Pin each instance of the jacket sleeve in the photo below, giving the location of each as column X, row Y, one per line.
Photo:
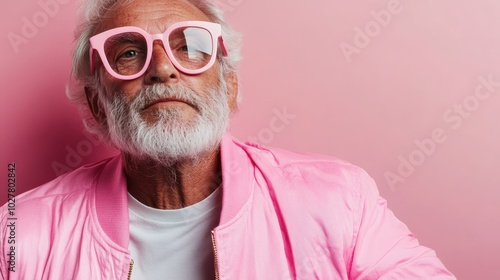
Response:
column 383, row 247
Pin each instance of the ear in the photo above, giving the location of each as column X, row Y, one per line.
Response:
column 232, row 90
column 94, row 105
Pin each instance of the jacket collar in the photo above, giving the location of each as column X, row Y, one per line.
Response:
column 237, row 179
column 111, row 202
column 111, row 190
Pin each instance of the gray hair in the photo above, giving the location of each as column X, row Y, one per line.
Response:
column 92, row 12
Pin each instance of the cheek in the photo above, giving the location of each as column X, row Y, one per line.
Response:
column 200, row 83
column 114, row 87
column 129, row 89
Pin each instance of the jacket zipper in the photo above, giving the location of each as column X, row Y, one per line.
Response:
column 130, row 269
column 216, row 264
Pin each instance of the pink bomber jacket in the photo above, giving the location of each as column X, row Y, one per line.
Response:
column 284, row 216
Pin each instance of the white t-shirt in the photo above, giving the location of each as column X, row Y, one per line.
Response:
column 174, row 244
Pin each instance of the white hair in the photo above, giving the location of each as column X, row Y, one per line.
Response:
column 91, row 13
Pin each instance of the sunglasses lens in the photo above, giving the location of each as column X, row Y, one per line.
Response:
column 191, row 47
column 126, row 52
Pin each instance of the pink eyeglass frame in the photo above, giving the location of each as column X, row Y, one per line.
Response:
column 97, row 44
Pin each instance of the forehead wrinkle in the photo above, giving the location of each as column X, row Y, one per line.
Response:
column 160, row 15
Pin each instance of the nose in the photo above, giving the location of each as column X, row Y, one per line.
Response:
column 161, row 69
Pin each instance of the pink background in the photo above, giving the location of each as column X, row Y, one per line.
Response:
column 376, row 107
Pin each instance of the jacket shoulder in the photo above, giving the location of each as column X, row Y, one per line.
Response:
column 315, row 182
column 312, row 168
column 80, row 179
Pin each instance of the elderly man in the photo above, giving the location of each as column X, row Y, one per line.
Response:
column 184, row 200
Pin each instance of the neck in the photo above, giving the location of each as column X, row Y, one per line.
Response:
column 176, row 186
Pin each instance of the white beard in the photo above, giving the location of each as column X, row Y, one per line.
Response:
column 171, row 138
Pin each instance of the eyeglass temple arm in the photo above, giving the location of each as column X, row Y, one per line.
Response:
column 223, row 48
column 91, row 56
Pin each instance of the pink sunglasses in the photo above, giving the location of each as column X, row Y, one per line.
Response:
column 126, row 51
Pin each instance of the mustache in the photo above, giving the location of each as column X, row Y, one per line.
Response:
column 150, row 95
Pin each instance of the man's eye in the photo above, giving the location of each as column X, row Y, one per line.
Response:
column 129, row 54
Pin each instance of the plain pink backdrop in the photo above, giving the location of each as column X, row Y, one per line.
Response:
column 366, row 81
